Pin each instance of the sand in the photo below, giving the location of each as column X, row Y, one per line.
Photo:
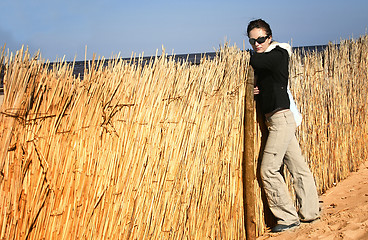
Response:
column 344, row 212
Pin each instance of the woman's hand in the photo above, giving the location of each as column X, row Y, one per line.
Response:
column 256, row 91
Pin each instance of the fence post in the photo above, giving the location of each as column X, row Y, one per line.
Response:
column 248, row 158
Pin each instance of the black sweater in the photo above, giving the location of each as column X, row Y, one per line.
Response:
column 271, row 70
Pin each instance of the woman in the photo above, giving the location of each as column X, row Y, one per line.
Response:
column 270, row 62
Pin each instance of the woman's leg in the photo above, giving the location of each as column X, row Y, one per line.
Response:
column 281, row 130
column 304, row 185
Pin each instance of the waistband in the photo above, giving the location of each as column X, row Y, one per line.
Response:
column 278, row 114
column 267, row 115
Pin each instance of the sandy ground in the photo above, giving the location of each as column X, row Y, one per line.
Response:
column 344, row 212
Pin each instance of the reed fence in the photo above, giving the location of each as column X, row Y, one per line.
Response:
column 156, row 150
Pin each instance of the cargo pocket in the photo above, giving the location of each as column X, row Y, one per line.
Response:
column 271, row 144
column 272, row 197
column 276, row 198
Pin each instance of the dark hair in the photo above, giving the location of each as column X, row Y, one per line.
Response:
column 259, row 23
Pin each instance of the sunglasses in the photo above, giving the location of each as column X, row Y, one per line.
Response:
column 259, row 40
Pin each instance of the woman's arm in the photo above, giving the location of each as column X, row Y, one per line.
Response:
column 269, row 60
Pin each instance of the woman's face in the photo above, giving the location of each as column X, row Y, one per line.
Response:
column 256, row 37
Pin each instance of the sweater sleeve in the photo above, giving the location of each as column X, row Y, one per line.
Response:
column 268, row 60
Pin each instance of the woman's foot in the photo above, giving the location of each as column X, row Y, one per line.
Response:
column 281, row 227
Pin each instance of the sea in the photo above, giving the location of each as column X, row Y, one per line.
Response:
column 193, row 58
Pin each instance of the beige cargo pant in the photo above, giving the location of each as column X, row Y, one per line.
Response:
column 282, row 147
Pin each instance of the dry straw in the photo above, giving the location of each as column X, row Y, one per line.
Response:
column 134, row 151
column 154, row 149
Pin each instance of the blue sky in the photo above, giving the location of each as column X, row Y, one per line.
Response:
column 65, row 27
